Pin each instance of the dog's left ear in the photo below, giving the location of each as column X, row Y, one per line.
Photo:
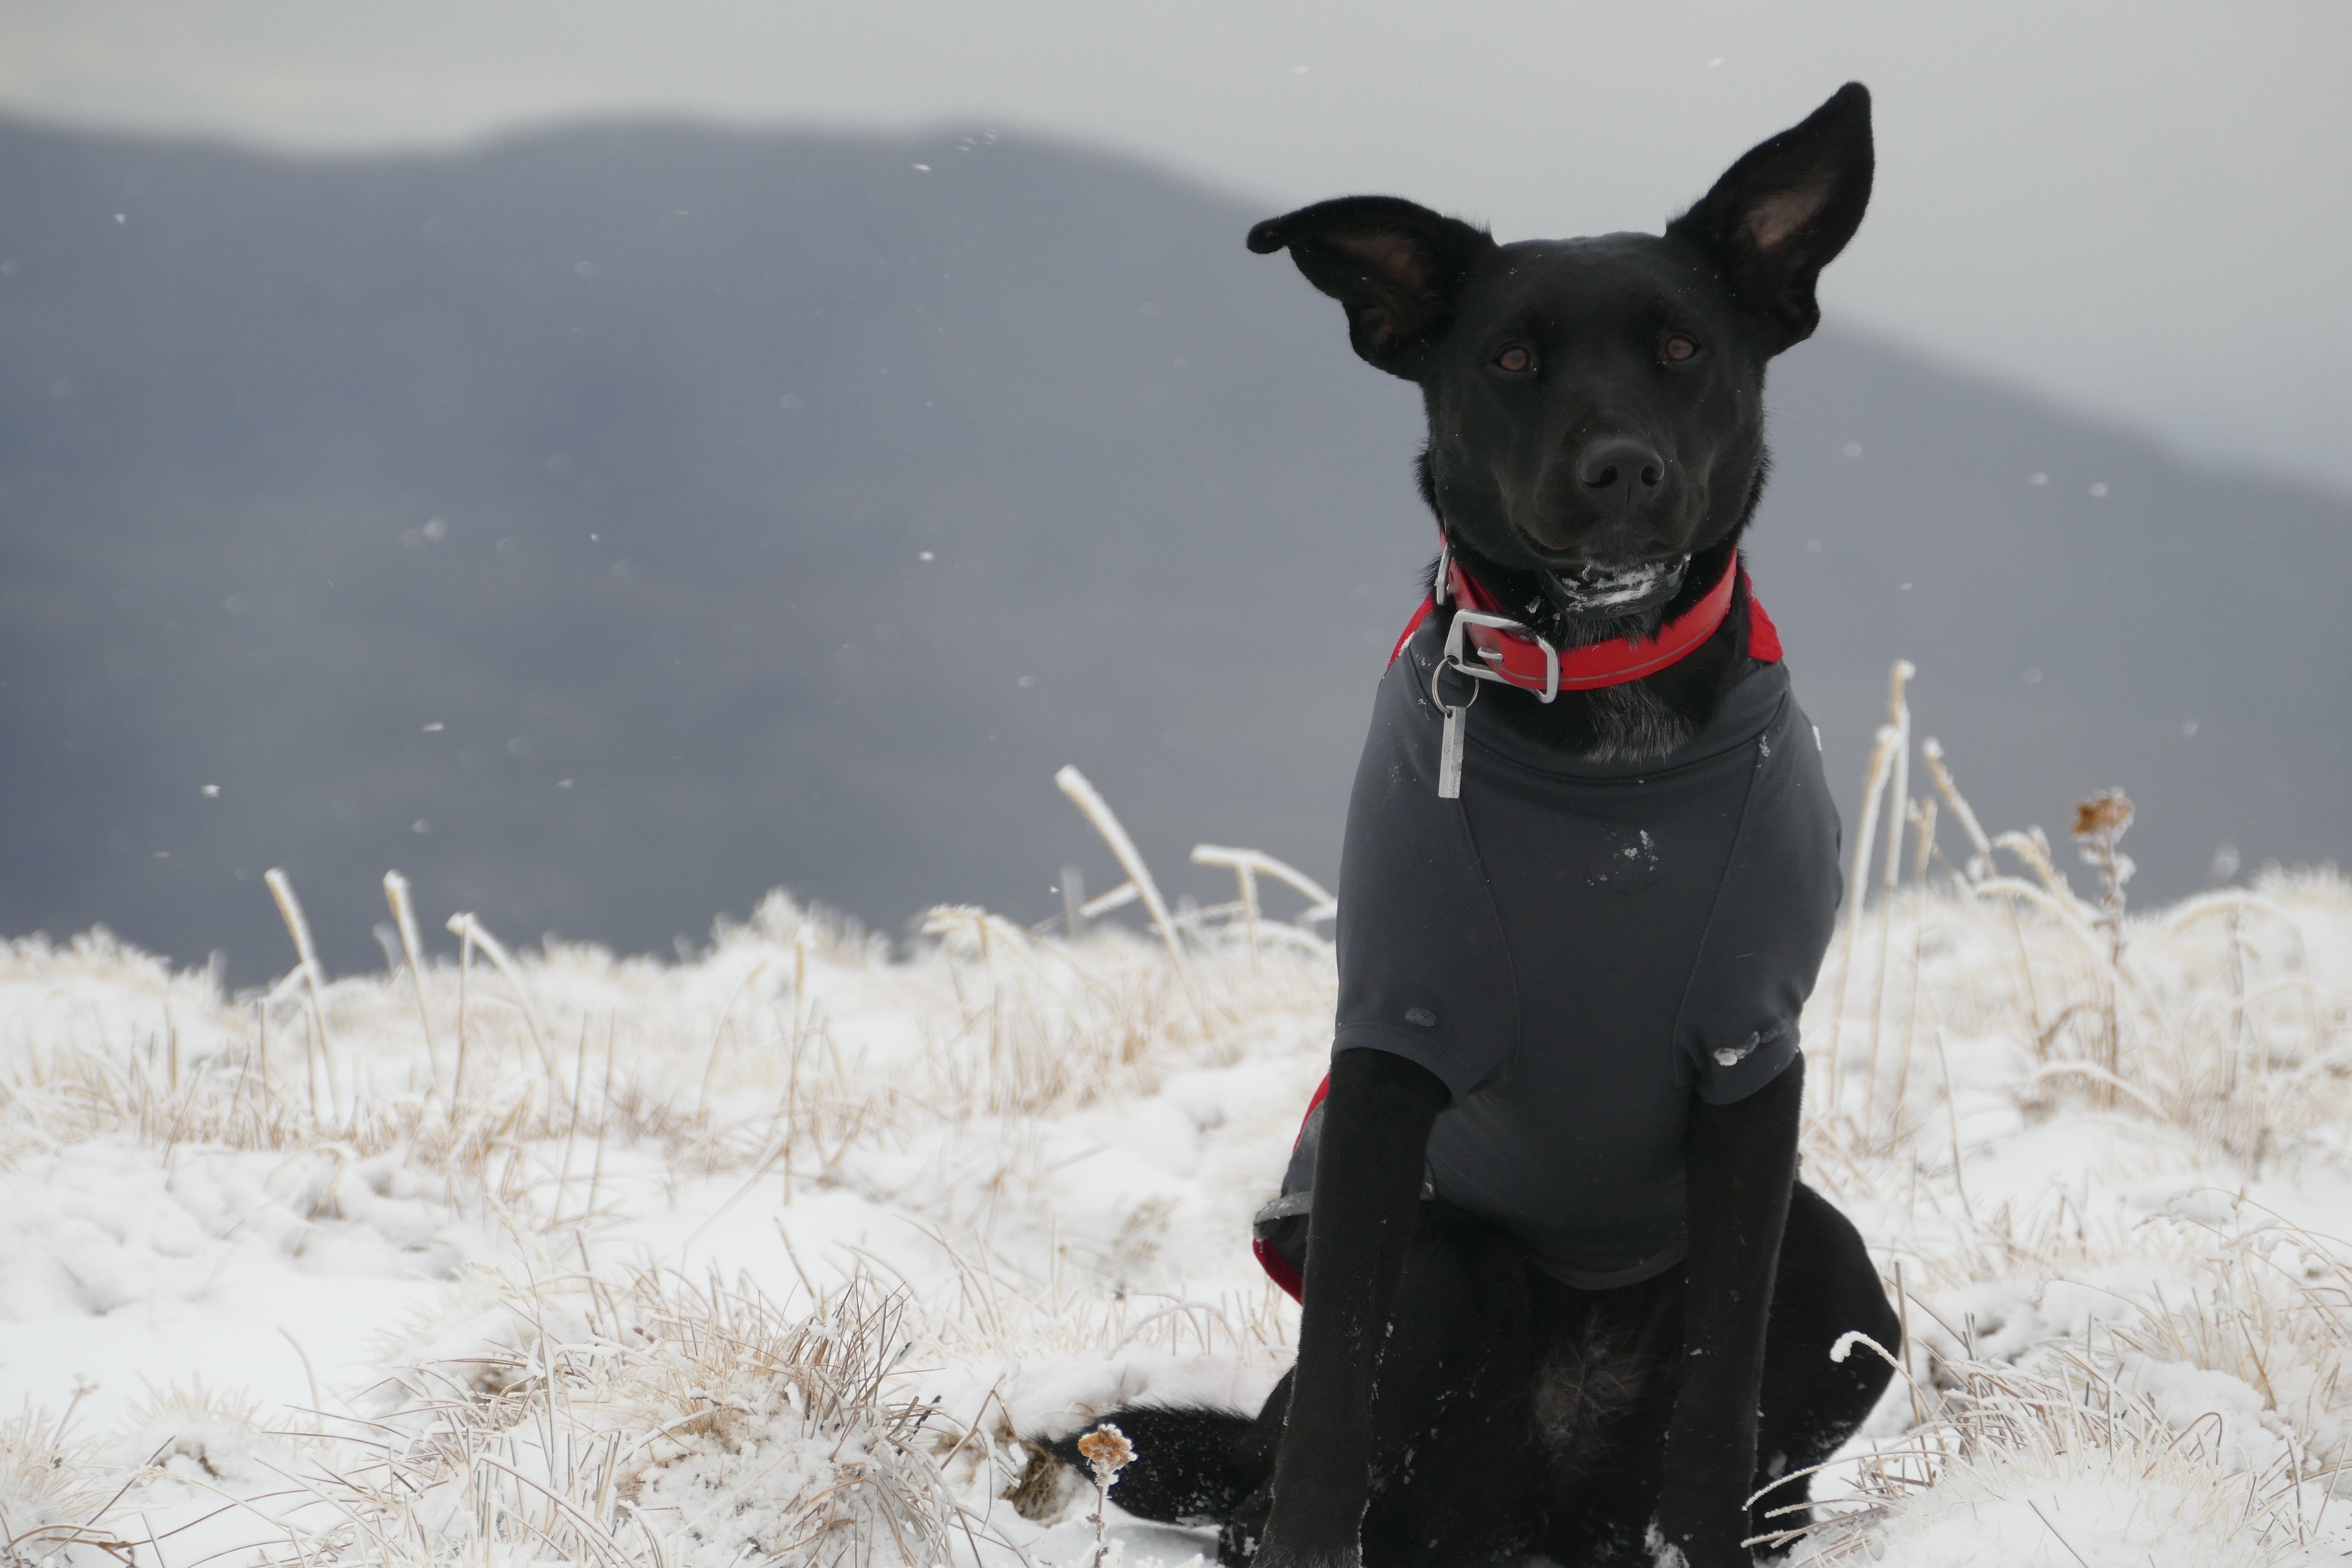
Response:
column 1783, row 212
column 1397, row 266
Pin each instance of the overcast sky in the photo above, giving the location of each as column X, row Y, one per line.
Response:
column 2140, row 209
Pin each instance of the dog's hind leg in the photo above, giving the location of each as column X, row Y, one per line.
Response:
column 1192, row 1465
column 1826, row 1288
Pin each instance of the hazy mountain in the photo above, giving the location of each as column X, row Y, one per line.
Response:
column 607, row 526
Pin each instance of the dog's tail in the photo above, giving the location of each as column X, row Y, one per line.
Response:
column 1192, row 1466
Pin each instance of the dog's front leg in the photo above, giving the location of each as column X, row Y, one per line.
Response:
column 1368, row 1175
column 1742, row 1164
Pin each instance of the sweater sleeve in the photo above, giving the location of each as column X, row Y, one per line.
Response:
column 1424, row 972
column 1771, row 922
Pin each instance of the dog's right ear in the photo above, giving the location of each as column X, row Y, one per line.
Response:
column 1397, row 266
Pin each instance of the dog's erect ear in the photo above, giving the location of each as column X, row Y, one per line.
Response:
column 1783, row 212
column 1397, row 266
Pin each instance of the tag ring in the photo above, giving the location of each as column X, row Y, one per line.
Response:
column 1445, row 662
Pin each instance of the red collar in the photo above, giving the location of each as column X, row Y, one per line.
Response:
column 1510, row 652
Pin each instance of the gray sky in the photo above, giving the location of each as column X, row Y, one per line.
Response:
column 2139, row 208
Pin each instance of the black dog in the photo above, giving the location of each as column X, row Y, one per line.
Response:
column 1564, row 1295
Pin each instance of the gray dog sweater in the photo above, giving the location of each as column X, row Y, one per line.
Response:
column 1576, row 949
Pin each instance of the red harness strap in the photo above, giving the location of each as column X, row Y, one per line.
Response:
column 1277, row 1267
column 1519, row 657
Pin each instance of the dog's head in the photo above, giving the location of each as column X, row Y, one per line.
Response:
column 1596, row 405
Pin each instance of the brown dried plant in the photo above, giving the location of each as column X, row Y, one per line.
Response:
column 1106, row 1452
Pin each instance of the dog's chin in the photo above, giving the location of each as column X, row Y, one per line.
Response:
column 1594, row 590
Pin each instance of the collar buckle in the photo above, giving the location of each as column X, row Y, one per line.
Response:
column 1483, row 666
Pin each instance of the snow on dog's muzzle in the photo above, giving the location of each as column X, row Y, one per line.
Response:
column 1620, row 588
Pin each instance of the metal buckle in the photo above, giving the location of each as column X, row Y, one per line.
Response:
column 1464, row 619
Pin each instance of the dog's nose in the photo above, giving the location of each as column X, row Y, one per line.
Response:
column 1622, row 468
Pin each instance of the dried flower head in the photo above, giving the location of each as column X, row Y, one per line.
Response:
column 1108, row 1450
column 2103, row 815
column 2100, row 822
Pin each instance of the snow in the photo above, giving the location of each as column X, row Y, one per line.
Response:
column 784, row 1250
column 1594, row 588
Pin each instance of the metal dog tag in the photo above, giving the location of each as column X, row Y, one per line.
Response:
column 1449, row 746
column 1449, row 754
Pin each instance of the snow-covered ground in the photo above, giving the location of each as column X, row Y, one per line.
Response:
column 779, row 1253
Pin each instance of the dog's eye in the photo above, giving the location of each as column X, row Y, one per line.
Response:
column 1514, row 359
column 1679, row 348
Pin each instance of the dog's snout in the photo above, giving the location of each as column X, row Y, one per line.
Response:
column 1612, row 499
column 1621, row 467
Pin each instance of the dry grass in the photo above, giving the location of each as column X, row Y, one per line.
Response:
column 566, row 1411
column 57, row 1504
column 653, row 1421
column 2221, row 1406
column 1990, row 1475
column 644, row 1418
column 735, row 1063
